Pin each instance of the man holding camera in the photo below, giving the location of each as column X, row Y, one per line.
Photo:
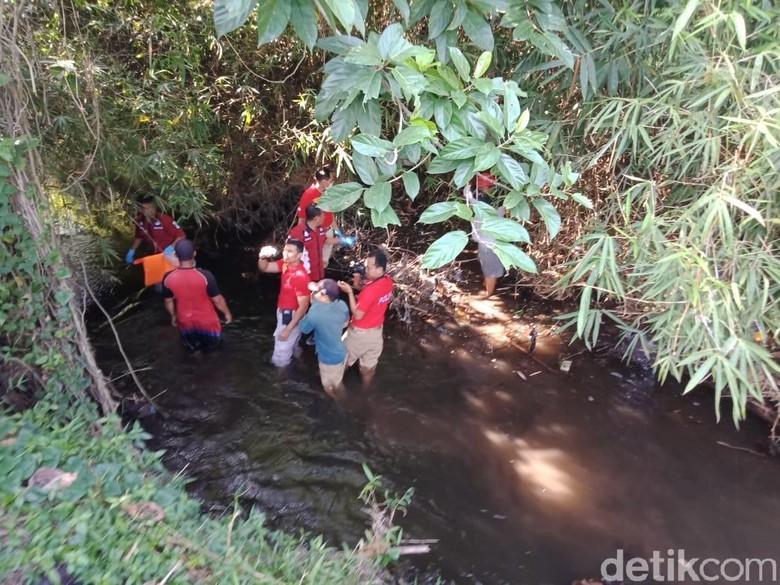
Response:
column 293, row 298
column 364, row 340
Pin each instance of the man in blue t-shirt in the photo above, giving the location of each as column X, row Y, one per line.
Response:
column 327, row 318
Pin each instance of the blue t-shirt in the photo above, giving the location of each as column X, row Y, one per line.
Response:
column 327, row 321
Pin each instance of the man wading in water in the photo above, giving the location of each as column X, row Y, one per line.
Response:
column 293, row 300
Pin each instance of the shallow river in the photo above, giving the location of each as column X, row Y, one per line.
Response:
column 534, row 481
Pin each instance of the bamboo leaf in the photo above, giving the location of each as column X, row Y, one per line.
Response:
column 685, row 16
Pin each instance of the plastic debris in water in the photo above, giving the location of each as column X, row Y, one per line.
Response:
column 565, row 365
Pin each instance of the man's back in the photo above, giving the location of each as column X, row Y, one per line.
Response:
column 327, row 321
column 193, row 289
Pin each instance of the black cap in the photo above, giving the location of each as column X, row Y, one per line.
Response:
column 185, row 249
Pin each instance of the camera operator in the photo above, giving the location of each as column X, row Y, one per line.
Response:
column 364, row 339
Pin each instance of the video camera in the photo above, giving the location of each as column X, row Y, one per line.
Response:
column 357, row 268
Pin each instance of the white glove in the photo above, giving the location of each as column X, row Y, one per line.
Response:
column 267, row 252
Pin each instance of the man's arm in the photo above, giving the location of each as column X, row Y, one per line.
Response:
column 170, row 306
column 265, row 265
column 356, row 314
column 303, row 306
column 221, row 304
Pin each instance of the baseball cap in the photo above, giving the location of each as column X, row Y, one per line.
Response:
column 185, row 249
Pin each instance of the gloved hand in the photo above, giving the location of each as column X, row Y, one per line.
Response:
column 337, row 233
column 347, row 241
column 130, row 256
column 169, row 251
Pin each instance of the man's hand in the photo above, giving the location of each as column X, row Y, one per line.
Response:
column 284, row 334
column 174, row 322
column 344, row 287
column 228, row 318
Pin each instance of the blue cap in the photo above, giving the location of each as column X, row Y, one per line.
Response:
column 185, row 249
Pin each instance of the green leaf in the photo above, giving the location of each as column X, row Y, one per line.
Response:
column 701, row 372
column 505, row 230
column 391, row 41
column 482, row 64
column 521, row 210
column 304, row 21
column 512, row 256
column 582, row 200
column 365, row 167
column 740, row 28
column 342, row 123
column 378, row 196
column 461, row 63
column 488, row 156
column 385, row 217
column 340, row 197
column 684, row 17
column 461, row 149
column 445, row 249
column 522, row 122
column 365, row 54
column 552, row 220
column 339, row 44
column 369, row 118
column 478, row 30
column 463, row 211
column 513, row 199
column 344, row 10
column 411, row 184
column 231, row 14
column 411, row 81
column 512, row 171
column 511, row 109
column 441, row 165
column 272, row 19
column 438, row 212
column 402, row 6
column 371, row 145
column 412, row 135
column 439, row 18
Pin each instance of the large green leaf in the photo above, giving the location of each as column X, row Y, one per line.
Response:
column 463, row 148
column 412, row 135
column 461, row 63
column 304, row 21
column 365, row 167
column 369, row 118
column 511, row 108
column 483, row 63
column 552, row 220
column 505, row 229
column 340, row 197
column 402, row 6
column 272, row 19
column 478, row 30
column 512, row 171
column 411, row 184
column 344, row 10
column 231, row 14
column 510, row 255
column 371, row 145
column 445, row 249
column 439, row 18
column 438, row 212
column 488, row 156
column 385, row 217
column 441, row 165
column 378, row 196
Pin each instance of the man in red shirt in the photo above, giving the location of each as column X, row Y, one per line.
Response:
column 323, row 179
column 314, row 238
column 191, row 294
column 293, row 300
column 157, row 229
column 364, row 337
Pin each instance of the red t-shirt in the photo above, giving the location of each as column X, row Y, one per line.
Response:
column 312, row 195
column 295, row 283
column 313, row 240
column 161, row 232
column 373, row 300
column 193, row 288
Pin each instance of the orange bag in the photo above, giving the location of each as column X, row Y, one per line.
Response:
column 155, row 267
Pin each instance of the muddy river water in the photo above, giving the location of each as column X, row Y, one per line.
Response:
column 520, row 481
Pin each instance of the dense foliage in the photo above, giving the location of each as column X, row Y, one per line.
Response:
column 677, row 102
